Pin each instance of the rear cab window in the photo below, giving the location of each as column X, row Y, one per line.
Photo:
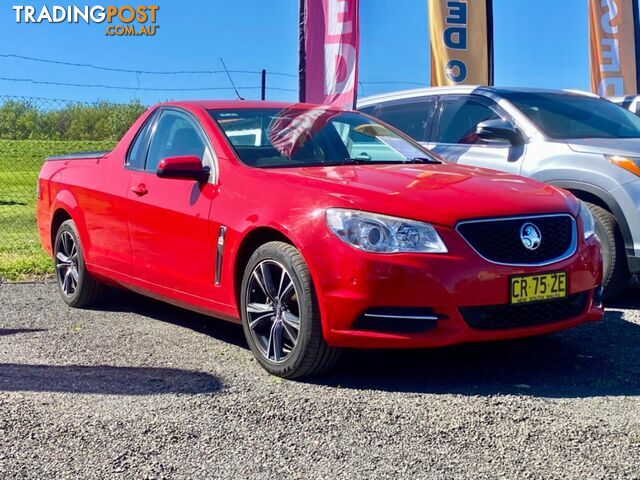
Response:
column 138, row 151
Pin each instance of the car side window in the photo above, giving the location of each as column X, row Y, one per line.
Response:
column 138, row 151
column 459, row 116
column 176, row 135
column 413, row 118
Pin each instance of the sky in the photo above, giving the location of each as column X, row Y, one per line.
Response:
column 538, row 43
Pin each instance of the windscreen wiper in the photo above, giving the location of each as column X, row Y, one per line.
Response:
column 357, row 161
column 428, row 160
column 368, row 161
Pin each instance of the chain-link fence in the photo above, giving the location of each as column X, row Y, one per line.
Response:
column 32, row 129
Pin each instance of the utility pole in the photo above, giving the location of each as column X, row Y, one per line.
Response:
column 263, row 89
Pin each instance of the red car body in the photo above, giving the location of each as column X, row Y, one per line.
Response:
column 159, row 236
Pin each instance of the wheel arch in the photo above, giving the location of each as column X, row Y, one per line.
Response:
column 60, row 216
column 65, row 203
column 250, row 242
column 596, row 195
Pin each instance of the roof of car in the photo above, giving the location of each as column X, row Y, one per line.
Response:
column 460, row 89
column 240, row 104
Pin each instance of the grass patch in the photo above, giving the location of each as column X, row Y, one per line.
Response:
column 22, row 266
column 21, row 256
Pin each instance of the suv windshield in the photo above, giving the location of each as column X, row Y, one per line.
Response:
column 299, row 137
column 566, row 116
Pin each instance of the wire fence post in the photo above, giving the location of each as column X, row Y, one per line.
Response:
column 263, row 85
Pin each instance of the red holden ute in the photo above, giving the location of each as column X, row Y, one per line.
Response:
column 317, row 229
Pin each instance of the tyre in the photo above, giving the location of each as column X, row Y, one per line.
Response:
column 616, row 274
column 280, row 315
column 76, row 285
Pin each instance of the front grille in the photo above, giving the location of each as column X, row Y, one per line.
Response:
column 497, row 317
column 499, row 240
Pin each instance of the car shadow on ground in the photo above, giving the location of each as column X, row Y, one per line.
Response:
column 125, row 301
column 596, row 359
column 591, row 360
column 4, row 332
column 104, row 379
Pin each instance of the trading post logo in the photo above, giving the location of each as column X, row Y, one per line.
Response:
column 125, row 21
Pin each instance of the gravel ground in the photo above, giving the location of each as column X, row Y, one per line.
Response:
column 139, row 389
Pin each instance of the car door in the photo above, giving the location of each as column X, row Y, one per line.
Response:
column 454, row 134
column 172, row 244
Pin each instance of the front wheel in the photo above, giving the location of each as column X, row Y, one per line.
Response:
column 76, row 285
column 615, row 269
column 280, row 314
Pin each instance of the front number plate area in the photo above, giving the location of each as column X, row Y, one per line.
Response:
column 534, row 288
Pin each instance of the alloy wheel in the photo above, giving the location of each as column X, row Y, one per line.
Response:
column 273, row 311
column 66, row 261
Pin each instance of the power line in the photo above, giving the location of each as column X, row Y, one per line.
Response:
column 146, row 89
column 138, row 71
column 179, row 89
column 179, row 72
column 393, row 82
column 280, row 89
column 117, row 87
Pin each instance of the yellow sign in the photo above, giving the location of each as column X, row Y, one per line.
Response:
column 614, row 60
column 461, row 37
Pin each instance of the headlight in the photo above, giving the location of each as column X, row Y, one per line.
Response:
column 588, row 223
column 382, row 234
column 630, row 164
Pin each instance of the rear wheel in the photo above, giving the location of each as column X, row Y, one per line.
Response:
column 76, row 285
column 616, row 274
column 280, row 315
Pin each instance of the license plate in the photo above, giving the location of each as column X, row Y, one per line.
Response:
column 533, row 288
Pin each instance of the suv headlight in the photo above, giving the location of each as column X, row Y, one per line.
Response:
column 588, row 223
column 383, row 234
column 630, row 164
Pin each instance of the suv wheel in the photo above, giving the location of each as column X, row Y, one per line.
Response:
column 616, row 274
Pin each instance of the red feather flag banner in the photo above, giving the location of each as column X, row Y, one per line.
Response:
column 615, row 59
column 329, row 42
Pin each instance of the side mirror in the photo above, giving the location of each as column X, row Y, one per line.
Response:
column 499, row 131
column 187, row 167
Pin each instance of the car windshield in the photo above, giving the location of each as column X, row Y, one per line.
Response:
column 299, row 136
column 567, row 116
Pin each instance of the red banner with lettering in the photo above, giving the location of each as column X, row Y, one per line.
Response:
column 329, row 41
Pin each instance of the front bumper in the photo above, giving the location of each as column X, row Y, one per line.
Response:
column 625, row 205
column 350, row 282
